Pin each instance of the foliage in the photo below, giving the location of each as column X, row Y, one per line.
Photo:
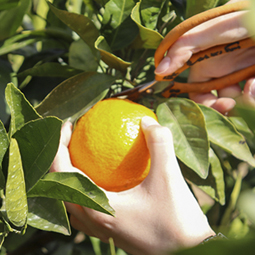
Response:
column 59, row 59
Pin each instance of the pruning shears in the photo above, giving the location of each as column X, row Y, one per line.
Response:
column 174, row 88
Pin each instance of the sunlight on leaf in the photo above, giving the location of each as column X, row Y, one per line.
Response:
column 74, row 188
column 148, row 38
column 21, row 110
column 11, row 19
column 186, row 122
column 16, row 200
column 110, row 59
column 117, row 11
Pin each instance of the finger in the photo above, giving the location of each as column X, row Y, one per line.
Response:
column 231, row 91
column 164, row 167
column 222, row 65
column 66, row 133
column 248, row 96
column 79, row 219
column 224, row 29
column 62, row 160
column 222, row 105
column 78, row 225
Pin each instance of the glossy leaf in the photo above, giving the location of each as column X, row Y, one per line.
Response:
column 148, row 38
column 214, row 184
column 81, row 24
column 16, row 199
column 110, row 59
column 150, row 10
column 116, row 11
column 50, row 70
column 186, row 122
column 74, row 188
column 4, row 143
column 48, row 214
column 38, row 142
column 222, row 133
column 74, row 94
column 21, row 110
column 11, row 19
column 197, row 6
column 81, row 57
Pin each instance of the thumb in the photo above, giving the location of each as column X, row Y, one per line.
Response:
column 163, row 160
column 248, row 96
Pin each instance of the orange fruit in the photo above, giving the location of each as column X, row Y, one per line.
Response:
column 108, row 144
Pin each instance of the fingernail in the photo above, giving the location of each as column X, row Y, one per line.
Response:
column 252, row 89
column 163, row 65
column 148, row 121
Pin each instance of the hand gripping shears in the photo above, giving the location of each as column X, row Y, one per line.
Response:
column 174, row 88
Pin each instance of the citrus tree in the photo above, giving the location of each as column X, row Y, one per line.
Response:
column 59, row 58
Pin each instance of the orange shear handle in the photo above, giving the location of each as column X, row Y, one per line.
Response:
column 203, row 87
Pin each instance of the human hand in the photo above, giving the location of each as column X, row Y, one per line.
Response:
column 224, row 29
column 157, row 215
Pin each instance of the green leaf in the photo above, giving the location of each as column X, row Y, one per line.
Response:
column 247, row 113
column 81, row 57
column 222, row 133
column 186, row 122
column 11, row 19
column 150, row 10
column 246, row 204
column 5, row 77
column 122, row 36
column 21, row 110
column 4, row 143
column 214, row 184
column 226, row 218
column 148, row 38
column 110, row 59
column 76, row 93
column 7, row 48
column 242, row 126
column 38, row 142
column 7, row 4
column 48, row 214
column 197, row 6
column 50, row 69
column 16, row 200
column 74, row 188
column 81, row 24
column 116, row 11
column 222, row 247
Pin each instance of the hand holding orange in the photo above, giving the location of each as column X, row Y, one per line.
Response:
column 108, row 145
